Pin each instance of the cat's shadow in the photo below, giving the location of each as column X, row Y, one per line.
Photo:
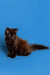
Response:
column 3, row 47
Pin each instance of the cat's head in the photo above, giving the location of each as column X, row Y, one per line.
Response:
column 10, row 33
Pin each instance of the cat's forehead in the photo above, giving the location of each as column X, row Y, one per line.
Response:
column 11, row 29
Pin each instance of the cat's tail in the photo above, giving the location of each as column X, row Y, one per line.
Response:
column 38, row 47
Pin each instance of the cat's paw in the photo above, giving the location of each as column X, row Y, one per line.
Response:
column 8, row 55
column 12, row 56
column 27, row 53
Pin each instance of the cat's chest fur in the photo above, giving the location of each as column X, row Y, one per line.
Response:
column 11, row 44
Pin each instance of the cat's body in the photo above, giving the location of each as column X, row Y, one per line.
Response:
column 18, row 46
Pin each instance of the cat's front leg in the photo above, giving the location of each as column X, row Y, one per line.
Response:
column 11, row 53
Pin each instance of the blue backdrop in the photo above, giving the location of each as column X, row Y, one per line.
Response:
column 32, row 17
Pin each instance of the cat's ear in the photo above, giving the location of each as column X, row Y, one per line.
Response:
column 7, row 30
column 15, row 30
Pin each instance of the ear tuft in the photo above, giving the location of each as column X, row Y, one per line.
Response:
column 15, row 30
column 7, row 30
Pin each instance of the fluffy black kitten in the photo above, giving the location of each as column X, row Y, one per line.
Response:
column 18, row 46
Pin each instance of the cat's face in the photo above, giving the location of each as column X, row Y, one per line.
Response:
column 10, row 33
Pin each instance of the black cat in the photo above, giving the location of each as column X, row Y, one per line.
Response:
column 18, row 46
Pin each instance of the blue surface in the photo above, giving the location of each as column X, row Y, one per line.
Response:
column 32, row 17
